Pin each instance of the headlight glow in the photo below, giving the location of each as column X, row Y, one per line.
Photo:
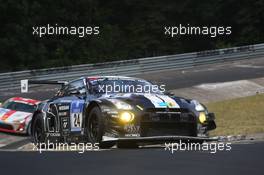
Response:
column 120, row 104
column 126, row 117
column 202, row 117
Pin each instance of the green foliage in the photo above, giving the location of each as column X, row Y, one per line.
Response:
column 128, row 29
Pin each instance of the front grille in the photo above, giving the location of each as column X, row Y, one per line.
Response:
column 6, row 126
column 162, row 122
column 168, row 117
column 166, row 129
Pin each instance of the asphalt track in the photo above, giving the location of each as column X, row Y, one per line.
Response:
column 243, row 159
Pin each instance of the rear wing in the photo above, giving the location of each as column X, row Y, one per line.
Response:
column 25, row 83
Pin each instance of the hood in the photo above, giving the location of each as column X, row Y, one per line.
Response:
column 149, row 100
column 8, row 115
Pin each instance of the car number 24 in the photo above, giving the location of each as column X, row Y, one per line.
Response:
column 76, row 115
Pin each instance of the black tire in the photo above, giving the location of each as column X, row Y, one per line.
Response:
column 38, row 135
column 95, row 128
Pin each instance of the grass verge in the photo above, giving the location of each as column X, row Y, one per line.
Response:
column 239, row 116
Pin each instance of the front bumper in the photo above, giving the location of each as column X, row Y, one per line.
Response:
column 152, row 123
column 13, row 127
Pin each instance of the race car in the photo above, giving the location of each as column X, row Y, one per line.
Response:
column 118, row 110
column 16, row 114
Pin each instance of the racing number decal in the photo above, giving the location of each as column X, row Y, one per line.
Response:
column 76, row 114
column 77, row 122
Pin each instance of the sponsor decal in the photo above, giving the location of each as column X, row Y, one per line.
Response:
column 162, row 101
column 54, row 134
column 171, row 103
column 132, row 129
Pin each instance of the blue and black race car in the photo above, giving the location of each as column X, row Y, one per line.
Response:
column 118, row 110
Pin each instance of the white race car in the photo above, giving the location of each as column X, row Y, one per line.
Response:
column 16, row 114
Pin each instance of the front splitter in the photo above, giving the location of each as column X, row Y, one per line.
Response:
column 160, row 139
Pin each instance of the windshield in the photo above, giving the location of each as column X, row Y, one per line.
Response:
column 110, row 86
column 12, row 105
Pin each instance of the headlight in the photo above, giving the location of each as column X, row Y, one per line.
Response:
column 120, row 104
column 202, row 117
column 126, row 117
column 198, row 106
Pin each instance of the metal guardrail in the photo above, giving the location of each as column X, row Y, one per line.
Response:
column 11, row 80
